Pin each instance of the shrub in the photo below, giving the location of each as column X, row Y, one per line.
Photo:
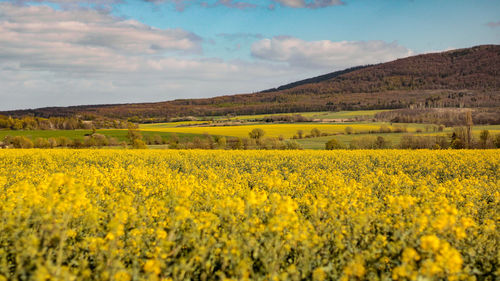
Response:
column 138, row 144
column 221, row 142
column 333, row 144
column 292, row 145
column 257, row 133
column 382, row 143
column 315, row 133
column 349, row 130
column 22, row 142
column 41, row 143
column 64, row 141
column 421, row 142
column 385, row 129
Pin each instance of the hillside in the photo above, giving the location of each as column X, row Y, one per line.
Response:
column 464, row 77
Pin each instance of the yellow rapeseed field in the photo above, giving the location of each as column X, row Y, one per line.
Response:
column 272, row 130
column 249, row 215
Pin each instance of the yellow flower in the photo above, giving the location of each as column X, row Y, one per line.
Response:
column 161, row 234
column 319, row 274
column 152, row 266
column 70, row 233
column 110, row 236
column 409, row 255
column 122, row 276
column 430, row 243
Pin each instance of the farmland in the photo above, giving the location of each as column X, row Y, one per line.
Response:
column 137, row 215
column 314, row 115
column 272, row 130
column 188, row 130
column 119, row 134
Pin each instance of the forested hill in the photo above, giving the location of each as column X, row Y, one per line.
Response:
column 316, row 79
column 464, row 77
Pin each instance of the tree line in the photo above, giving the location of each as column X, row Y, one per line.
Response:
column 58, row 123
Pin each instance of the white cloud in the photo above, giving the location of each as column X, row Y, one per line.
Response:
column 77, row 56
column 71, row 4
column 326, row 54
column 181, row 5
column 313, row 4
column 493, row 24
column 40, row 31
column 54, row 57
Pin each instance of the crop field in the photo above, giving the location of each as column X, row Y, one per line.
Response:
column 272, row 130
column 120, row 134
column 314, row 115
column 319, row 143
column 249, row 215
column 394, row 138
column 287, row 131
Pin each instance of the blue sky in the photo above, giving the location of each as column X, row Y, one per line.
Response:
column 422, row 25
column 67, row 52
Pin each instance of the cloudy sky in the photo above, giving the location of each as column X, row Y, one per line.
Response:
column 69, row 52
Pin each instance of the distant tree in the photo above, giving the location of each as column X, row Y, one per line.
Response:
column 157, row 139
column 382, row 143
column 349, row 130
column 459, row 138
column 113, row 141
column 257, row 133
column 246, row 143
column 78, row 143
column 138, row 144
column 53, row 142
column 123, row 144
column 384, row 129
column 221, row 142
column 292, row 145
column 41, row 143
column 496, row 141
column 64, row 141
column 22, row 142
column 365, row 142
column 238, row 144
column 333, row 144
column 469, row 124
column 17, row 125
column 174, row 139
column 315, row 133
column 484, row 137
column 300, row 134
column 134, row 134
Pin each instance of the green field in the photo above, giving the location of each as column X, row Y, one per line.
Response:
column 119, row 134
column 394, row 138
column 341, row 114
column 313, row 115
column 319, row 143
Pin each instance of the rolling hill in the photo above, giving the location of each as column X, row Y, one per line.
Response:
column 459, row 78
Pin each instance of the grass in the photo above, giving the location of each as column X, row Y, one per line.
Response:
column 342, row 114
column 395, row 138
column 119, row 134
column 175, row 124
column 314, row 115
column 319, row 143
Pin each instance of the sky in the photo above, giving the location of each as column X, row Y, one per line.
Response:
column 70, row 52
